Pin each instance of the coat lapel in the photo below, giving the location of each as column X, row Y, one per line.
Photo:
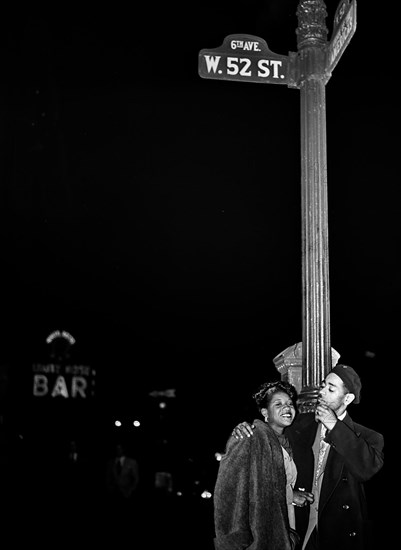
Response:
column 334, row 471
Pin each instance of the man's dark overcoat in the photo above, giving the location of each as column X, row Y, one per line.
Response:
column 356, row 454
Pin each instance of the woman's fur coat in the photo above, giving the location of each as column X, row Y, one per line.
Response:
column 250, row 508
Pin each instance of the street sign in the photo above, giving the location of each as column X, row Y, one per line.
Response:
column 245, row 58
column 343, row 31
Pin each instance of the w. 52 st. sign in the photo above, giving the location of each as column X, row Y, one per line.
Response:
column 244, row 57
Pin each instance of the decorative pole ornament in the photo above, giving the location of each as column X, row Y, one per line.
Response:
column 248, row 59
column 312, row 30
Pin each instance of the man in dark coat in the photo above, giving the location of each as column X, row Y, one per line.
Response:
column 334, row 457
column 354, row 456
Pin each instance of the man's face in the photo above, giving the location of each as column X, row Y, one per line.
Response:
column 332, row 393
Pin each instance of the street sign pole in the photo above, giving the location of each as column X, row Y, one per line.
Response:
column 316, row 347
column 248, row 58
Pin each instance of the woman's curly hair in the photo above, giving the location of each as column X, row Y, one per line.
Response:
column 266, row 391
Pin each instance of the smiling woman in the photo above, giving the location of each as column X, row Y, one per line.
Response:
column 254, row 494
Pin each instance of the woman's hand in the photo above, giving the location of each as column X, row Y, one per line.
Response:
column 243, row 429
column 301, row 498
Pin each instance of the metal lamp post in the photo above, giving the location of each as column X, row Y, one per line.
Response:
column 316, row 345
column 248, row 58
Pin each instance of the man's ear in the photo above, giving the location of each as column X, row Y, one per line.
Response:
column 349, row 397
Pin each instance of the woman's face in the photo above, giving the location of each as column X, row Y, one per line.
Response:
column 280, row 412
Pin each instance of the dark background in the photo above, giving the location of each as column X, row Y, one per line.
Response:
column 156, row 217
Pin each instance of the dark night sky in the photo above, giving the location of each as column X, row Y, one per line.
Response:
column 155, row 215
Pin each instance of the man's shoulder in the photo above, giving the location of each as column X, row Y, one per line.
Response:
column 361, row 428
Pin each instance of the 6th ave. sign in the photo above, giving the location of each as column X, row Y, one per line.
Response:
column 343, row 31
column 246, row 58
